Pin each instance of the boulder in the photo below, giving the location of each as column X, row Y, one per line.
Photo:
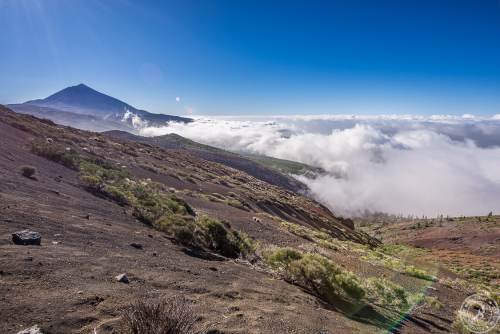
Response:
column 26, row 237
column 122, row 278
column 32, row 330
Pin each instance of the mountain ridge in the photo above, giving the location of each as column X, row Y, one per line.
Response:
column 81, row 100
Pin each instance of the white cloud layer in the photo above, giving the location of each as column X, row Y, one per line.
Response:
column 396, row 164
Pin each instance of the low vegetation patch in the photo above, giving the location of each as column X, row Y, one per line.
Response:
column 165, row 211
column 379, row 258
column 383, row 292
column 208, row 233
column 55, row 152
column 315, row 273
column 332, row 283
column 168, row 316
column 150, row 203
column 322, row 238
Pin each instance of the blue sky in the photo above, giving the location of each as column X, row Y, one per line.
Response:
column 258, row 57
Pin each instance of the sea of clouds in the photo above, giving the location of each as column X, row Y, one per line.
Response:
column 395, row 164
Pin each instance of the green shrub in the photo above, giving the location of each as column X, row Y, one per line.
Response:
column 92, row 182
column 117, row 194
column 383, row 292
column 207, row 233
column 184, row 235
column 350, row 283
column 280, row 258
column 219, row 236
column 315, row 273
column 418, row 273
column 324, row 278
column 433, row 302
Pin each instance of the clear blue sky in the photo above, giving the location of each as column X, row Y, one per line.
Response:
column 258, row 57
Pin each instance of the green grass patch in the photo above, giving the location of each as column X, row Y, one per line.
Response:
column 378, row 257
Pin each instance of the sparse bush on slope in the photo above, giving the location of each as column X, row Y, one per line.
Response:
column 220, row 237
column 391, row 262
column 383, row 292
column 165, row 212
column 150, row 203
column 169, row 316
column 57, row 153
column 331, row 282
column 315, row 273
column 383, row 255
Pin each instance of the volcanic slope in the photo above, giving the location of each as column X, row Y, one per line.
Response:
column 180, row 225
column 205, row 152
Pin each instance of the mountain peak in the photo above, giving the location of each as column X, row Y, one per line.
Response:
column 81, row 85
column 80, row 88
column 84, row 99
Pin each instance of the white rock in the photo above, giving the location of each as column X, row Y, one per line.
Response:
column 122, row 278
column 32, row 330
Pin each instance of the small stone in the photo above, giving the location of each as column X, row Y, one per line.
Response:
column 79, row 292
column 155, row 254
column 136, row 245
column 55, row 242
column 122, row 278
column 32, row 330
column 26, row 237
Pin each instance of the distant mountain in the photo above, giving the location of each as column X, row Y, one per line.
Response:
column 86, row 108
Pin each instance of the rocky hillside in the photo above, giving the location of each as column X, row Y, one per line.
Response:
column 205, row 152
column 122, row 220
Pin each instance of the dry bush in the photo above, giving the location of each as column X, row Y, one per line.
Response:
column 167, row 316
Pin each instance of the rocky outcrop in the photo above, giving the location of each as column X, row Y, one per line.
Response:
column 26, row 237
